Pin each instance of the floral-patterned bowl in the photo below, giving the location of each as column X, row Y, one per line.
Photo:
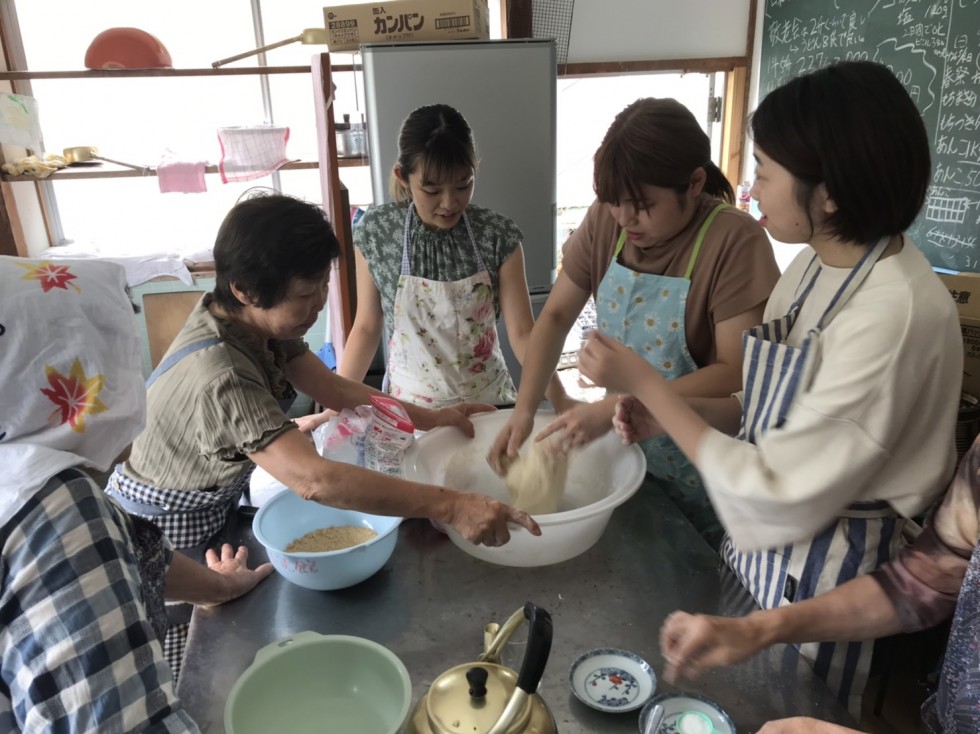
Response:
column 612, row 680
column 701, row 714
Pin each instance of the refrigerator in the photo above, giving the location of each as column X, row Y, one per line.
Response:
column 507, row 92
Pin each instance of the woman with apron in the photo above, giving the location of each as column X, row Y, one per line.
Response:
column 216, row 405
column 932, row 580
column 846, row 423
column 677, row 274
column 436, row 272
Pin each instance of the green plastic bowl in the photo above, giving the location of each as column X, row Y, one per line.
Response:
column 310, row 683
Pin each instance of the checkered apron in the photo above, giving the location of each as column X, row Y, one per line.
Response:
column 190, row 519
column 865, row 535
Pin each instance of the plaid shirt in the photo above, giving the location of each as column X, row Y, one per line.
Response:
column 78, row 654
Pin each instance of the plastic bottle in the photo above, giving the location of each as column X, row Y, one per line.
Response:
column 388, row 436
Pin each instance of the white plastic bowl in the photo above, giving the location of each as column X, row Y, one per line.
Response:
column 601, row 476
column 287, row 516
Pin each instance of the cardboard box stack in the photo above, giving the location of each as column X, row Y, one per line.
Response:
column 348, row 26
column 965, row 290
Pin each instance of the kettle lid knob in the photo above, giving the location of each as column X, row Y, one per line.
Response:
column 477, row 678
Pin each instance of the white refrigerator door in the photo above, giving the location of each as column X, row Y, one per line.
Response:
column 506, row 90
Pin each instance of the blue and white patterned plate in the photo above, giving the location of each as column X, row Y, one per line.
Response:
column 612, row 680
column 677, row 704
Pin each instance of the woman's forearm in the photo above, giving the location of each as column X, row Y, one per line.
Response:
column 718, row 380
column 359, row 352
column 857, row 610
column 193, row 582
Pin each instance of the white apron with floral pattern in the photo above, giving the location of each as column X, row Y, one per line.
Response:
column 443, row 347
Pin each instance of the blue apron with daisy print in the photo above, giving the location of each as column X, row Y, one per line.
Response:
column 646, row 312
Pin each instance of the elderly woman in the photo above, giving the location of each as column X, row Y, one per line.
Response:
column 216, row 403
column 78, row 650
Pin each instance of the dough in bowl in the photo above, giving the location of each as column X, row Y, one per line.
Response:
column 536, row 480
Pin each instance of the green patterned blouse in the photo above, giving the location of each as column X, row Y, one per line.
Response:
column 442, row 255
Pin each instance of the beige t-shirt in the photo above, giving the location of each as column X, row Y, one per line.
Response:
column 214, row 407
column 876, row 422
column 735, row 270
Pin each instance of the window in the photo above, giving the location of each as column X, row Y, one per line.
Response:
column 139, row 120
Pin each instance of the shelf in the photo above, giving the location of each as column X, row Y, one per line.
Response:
column 134, row 73
column 110, row 170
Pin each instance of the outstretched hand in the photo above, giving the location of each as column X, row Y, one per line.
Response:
column 483, row 520
column 232, row 565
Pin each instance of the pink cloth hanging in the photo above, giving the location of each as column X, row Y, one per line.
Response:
column 181, row 177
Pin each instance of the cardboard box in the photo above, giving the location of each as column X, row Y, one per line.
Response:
column 965, row 290
column 348, row 26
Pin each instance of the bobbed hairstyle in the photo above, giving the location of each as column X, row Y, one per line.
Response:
column 264, row 243
column 853, row 127
column 655, row 142
column 437, row 140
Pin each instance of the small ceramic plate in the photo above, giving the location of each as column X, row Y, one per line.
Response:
column 612, row 680
column 677, row 704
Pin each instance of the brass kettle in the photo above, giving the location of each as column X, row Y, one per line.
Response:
column 485, row 697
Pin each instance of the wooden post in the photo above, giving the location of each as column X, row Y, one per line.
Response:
column 343, row 296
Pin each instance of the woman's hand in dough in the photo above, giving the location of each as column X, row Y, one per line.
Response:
column 580, row 424
column 483, row 520
column 633, row 422
column 507, row 445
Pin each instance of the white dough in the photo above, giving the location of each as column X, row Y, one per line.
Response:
column 536, row 480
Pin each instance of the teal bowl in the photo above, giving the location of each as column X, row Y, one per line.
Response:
column 287, row 516
column 311, row 683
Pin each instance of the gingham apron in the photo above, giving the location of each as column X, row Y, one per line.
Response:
column 443, row 347
column 865, row 535
column 188, row 519
column 646, row 312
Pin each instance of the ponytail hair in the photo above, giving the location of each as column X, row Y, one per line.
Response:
column 436, row 139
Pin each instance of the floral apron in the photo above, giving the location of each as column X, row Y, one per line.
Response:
column 955, row 706
column 443, row 347
column 865, row 535
column 646, row 312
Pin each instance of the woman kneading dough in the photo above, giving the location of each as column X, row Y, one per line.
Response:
column 217, row 401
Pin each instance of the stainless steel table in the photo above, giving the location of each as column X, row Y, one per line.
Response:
column 429, row 605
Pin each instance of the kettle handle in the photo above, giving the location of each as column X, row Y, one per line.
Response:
column 538, row 648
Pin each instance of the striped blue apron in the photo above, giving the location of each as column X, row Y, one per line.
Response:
column 646, row 312
column 865, row 535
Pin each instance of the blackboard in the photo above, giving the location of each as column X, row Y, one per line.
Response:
column 933, row 47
